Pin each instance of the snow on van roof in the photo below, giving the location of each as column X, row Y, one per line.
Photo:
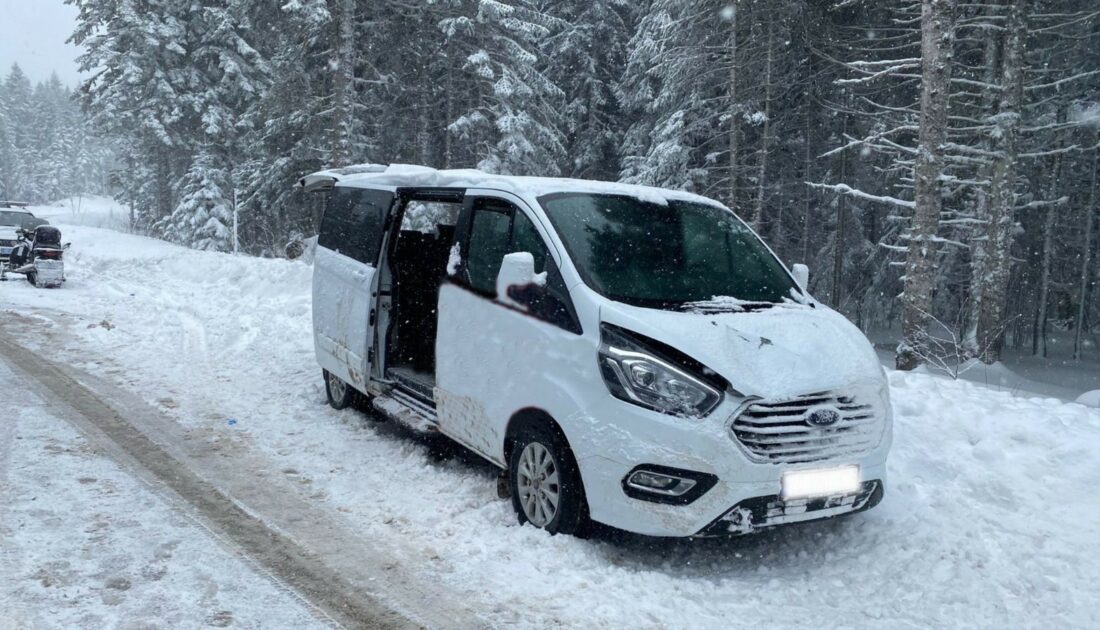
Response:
column 424, row 176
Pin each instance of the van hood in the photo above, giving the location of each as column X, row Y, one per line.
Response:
column 784, row 351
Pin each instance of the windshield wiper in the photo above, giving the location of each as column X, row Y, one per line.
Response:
column 725, row 305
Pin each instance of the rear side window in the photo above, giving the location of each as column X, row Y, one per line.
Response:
column 353, row 223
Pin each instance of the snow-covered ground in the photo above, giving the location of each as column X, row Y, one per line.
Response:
column 85, row 545
column 991, row 518
column 1057, row 375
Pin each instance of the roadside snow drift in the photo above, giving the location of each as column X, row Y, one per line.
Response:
column 990, row 517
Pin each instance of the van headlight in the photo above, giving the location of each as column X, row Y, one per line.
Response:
column 637, row 375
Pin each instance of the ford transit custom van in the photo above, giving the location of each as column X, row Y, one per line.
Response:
column 627, row 355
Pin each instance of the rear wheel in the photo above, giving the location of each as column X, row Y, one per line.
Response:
column 340, row 395
column 545, row 483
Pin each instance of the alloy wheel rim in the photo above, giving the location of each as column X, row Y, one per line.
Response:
column 539, row 484
column 336, row 387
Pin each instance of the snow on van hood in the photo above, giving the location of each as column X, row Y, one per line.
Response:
column 786, row 350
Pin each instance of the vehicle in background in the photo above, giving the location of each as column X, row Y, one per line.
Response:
column 627, row 355
column 38, row 255
column 14, row 216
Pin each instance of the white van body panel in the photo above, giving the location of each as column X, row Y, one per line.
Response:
column 491, row 357
column 496, row 362
column 343, row 290
column 344, row 293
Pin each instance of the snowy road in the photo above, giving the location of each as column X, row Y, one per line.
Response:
column 171, row 463
column 83, row 543
column 991, row 519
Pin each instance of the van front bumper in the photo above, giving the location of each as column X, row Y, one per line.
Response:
column 745, row 496
column 759, row 513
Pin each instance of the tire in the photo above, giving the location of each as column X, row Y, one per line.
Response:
column 340, row 395
column 528, row 472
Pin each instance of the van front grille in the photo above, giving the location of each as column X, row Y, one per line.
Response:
column 809, row 428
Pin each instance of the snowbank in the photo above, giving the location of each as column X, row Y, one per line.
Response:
column 93, row 211
column 1090, row 399
column 991, row 516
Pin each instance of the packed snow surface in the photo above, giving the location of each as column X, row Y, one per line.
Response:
column 991, row 517
column 84, row 545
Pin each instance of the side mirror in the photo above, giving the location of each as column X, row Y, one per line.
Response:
column 516, row 279
column 801, row 275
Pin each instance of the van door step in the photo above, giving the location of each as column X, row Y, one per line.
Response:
column 406, row 410
column 421, row 384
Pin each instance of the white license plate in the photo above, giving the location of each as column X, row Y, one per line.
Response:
column 800, row 484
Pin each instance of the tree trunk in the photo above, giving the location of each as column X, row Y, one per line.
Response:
column 807, row 174
column 841, row 227
column 1039, row 331
column 448, row 118
column 991, row 64
column 733, row 111
column 991, row 322
column 937, row 43
column 1086, row 260
column 765, row 140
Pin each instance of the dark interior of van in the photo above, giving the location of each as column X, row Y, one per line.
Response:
column 419, row 266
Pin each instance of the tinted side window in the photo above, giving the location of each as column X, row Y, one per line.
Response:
column 354, row 218
column 499, row 230
column 525, row 238
column 551, row 302
column 489, row 233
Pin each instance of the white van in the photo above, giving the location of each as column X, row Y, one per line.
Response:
column 628, row 355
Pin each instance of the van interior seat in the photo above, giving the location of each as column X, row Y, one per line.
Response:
column 419, row 264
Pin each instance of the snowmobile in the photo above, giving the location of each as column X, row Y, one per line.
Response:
column 37, row 254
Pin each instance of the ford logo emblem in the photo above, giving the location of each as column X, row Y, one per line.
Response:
column 822, row 417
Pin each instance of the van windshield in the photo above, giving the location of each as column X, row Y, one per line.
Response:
column 665, row 256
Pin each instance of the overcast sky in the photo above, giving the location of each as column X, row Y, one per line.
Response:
column 33, row 34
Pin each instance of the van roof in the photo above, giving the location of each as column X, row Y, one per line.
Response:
column 408, row 175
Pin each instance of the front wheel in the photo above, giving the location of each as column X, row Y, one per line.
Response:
column 545, row 483
column 339, row 393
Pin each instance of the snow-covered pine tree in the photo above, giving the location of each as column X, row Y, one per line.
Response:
column 583, row 57
column 203, row 219
column 515, row 111
column 712, row 91
column 21, row 114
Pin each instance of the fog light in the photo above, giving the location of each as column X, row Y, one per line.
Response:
column 665, row 484
column 661, row 484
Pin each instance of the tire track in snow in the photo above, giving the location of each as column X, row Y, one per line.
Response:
column 341, row 575
column 11, row 615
